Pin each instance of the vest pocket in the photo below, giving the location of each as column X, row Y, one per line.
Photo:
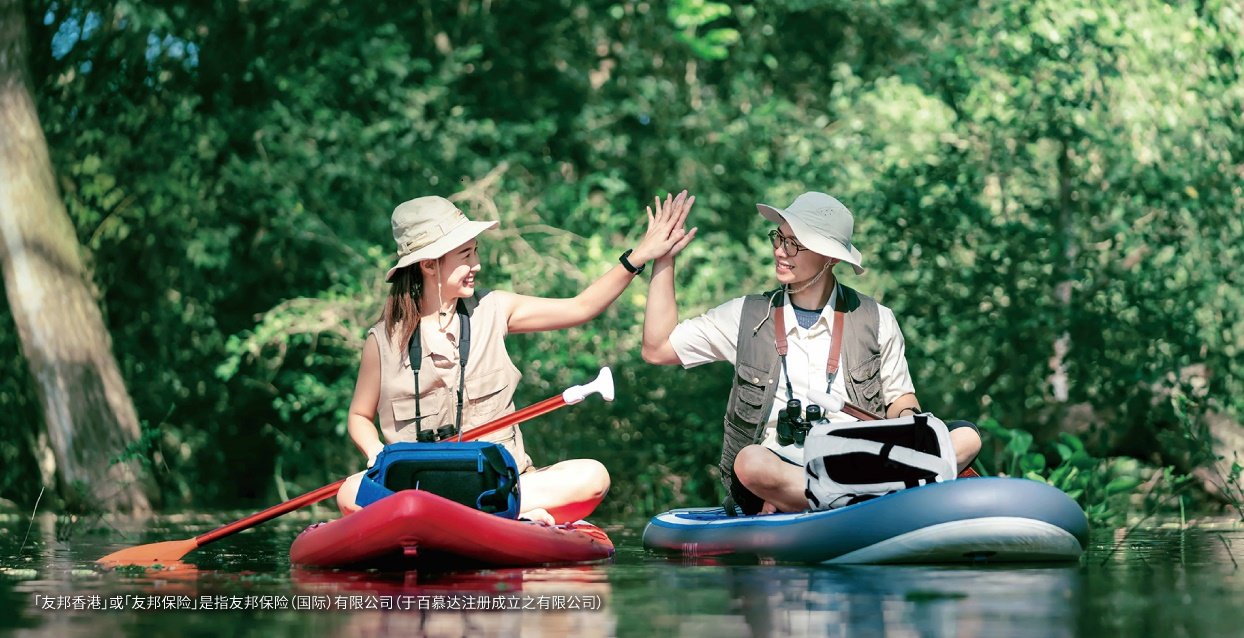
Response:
column 404, row 414
column 866, row 377
column 486, row 395
column 749, row 394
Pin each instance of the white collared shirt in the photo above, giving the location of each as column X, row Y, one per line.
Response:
column 712, row 337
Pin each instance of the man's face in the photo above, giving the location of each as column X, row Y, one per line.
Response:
column 794, row 263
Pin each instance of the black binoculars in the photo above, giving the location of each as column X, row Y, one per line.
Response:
column 793, row 424
column 439, row 434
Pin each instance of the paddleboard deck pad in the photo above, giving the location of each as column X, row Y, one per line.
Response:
column 964, row 520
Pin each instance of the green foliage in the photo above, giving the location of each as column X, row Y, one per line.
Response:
column 690, row 16
column 1028, row 178
column 1112, row 491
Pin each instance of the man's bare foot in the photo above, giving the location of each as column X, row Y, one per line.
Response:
column 538, row 515
column 768, row 508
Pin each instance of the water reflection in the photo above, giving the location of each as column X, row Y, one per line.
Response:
column 245, row 585
column 1165, row 581
column 763, row 600
column 1152, row 581
column 551, row 601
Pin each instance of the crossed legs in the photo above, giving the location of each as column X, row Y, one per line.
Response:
column 780, row 484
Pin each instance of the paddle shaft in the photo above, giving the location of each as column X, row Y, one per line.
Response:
column 859, row 413
column 314, row 496
column 326, row 492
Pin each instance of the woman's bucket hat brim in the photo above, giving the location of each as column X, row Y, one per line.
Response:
column 429, row 228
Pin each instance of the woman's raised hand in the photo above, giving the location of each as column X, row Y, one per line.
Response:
column 667, row 228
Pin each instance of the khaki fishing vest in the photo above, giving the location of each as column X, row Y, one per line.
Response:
column 491, row 379
column 757, row 364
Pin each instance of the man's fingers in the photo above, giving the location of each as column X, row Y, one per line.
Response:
column 682, row 243
column 684, row 210
column 672, row 210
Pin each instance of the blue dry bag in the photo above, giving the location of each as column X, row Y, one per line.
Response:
column 476, row 474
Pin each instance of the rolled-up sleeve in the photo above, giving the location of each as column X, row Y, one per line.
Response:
column 709, row 337
column 895, row 377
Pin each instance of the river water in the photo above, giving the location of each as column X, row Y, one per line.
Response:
column 1150, row 581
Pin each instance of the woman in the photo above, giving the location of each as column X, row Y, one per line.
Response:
column 432, row 298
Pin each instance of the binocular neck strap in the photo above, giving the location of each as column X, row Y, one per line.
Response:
column 415, row 353
column 835, row 343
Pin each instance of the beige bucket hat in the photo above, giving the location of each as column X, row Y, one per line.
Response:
column 429, row 227
column 821, row 223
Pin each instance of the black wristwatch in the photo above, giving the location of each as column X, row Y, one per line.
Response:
column 626, row 263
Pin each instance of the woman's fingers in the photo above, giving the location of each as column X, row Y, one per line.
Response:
column 667, row 218
column 673, row 204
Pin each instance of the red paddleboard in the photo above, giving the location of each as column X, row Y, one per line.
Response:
column 413, row 527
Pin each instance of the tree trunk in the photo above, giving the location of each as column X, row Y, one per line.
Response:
column 89, row 415
column 1059, row 380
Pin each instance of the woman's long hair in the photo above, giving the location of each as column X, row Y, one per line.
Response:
column 402, row 309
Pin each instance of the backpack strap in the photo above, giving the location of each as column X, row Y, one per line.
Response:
column 899, row 454
column 498, row 500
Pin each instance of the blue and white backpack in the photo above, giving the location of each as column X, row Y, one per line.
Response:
column 847, row 463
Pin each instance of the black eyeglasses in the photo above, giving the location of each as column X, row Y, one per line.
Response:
column 788, row 244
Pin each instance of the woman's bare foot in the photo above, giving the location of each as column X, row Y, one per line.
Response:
column 538, row 515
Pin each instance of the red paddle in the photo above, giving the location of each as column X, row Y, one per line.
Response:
column 167, row 551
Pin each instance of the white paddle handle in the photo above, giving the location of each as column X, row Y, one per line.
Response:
column 828, row 402
column 602, row 385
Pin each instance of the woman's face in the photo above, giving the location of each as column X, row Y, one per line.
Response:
column 456, row 271
column 793, row 263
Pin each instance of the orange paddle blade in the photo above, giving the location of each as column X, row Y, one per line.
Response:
column 150, row 554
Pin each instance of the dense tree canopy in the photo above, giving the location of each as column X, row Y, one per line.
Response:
column 1048, row 194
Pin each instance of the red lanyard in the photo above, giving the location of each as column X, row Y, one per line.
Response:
column 835, row 342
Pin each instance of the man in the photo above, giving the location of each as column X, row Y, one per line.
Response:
column 810, row 336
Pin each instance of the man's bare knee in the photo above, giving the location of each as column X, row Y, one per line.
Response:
column 966, row 444
column 752, row 466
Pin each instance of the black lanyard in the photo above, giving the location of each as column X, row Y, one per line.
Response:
column 416, row 361
column 835, row 342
